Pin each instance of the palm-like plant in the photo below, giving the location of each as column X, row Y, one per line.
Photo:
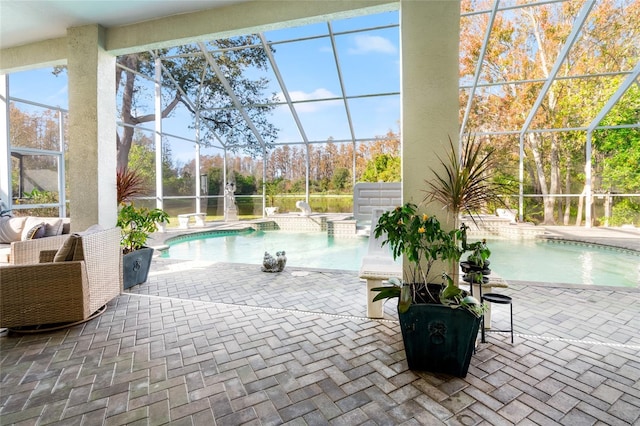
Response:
column 465, row 184
column 135, row 223
column 130, row 183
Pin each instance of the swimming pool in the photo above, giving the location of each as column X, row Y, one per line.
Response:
column 564, row 262
column 520, row 260
column 304, row 249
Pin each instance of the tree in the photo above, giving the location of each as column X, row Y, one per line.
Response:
column 142, row 160
column 340, row 179
column 524, row 45
column 618, row 150
column 245, row 185
column 219, row 119
column 383, row 168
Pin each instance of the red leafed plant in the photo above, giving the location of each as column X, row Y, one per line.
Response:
column 130, row 183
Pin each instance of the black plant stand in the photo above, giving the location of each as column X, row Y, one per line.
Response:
column 500, row 299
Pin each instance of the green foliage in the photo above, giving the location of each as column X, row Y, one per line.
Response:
column 625, row 212
column 420, row 238
column 341, row 178
column 297, row 186
column 142, row 158
column 136, row 224
column 479, row 252
column 464, row 185
column 382, row 168
column 215, row 181
column 36, row 196
column 619, row 149
column 273, row 188
column 388, row 291
column 245, row 185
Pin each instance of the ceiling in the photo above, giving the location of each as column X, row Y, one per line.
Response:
column 23, row 22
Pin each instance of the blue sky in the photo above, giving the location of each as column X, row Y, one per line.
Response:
column 369, row 64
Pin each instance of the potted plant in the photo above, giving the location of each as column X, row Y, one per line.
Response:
column 136, row 224
column 465, row 184
column 476, row 266
column 439, row 322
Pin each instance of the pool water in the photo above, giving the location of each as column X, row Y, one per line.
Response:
column 564, row 262
column 520, row 260
column 303, row 249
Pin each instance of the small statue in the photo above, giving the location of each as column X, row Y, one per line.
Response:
column 229, row 190
column 274, row 264
column 230, row 208
column 282, row 260
column 305, row 209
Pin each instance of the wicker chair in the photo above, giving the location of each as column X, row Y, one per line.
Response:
column 25, row 252
column 67, row 291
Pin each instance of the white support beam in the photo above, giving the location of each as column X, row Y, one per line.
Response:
column 476, row 75
column 157, row 134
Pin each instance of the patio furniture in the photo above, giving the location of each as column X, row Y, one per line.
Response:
column 477, row 290
column 500, row 299
column 18, row 247
column 28, row 251
column 71, row 284
column 183, row 219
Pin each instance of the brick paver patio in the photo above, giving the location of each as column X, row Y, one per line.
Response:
column 205, row 343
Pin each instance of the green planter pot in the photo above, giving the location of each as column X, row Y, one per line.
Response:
column 438, row 338
column 135, row 267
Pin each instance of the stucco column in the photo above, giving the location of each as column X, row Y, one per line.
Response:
column 92, row 129
column 430, row 32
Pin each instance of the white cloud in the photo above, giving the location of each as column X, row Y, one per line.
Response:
column 299, row 95
column 371, row 44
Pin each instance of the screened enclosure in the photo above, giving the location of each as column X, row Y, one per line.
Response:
column 304, row 113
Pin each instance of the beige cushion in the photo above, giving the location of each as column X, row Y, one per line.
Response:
column 53, row 225
column 11, row 229
column 90, row 230
column 71, row 249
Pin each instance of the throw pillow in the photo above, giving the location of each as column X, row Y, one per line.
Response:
column 53, row 226
column 66, row 252
column 11, row 229
column 35, row 232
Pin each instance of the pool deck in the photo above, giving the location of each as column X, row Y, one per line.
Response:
column 213, row 343
column 620, row 237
